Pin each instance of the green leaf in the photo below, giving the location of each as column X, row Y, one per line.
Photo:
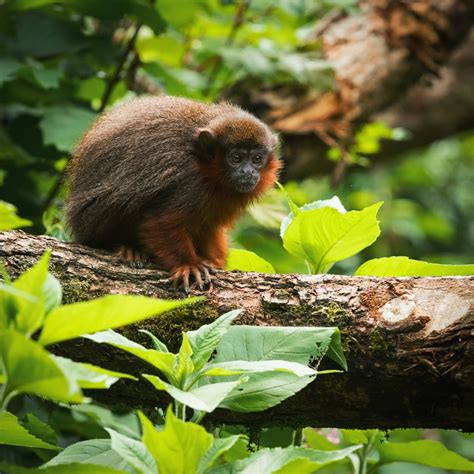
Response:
column 325, row 236
column 425, row 452
column 61, row 469
column 246, row 261
column 47, row 78
column 14, row 434
column 177, row 449
column 316, row 440
column 157, row 344
column 204, row 398
column 264, row 390
column 207, row 337
column 8, row 218
column 103, row 313
column 31, row 369
column 125, row 423
column 404, row 266
column 34, row 282
column 91, row 451
column 89, row 376
column 134, row 452
column 163, row 361
column 63, row 126
column 293, row 344
column 285, row 461
column 334, row 202
column 184, row 365
column 261, row 366
column 219, row 447
column 40, row 429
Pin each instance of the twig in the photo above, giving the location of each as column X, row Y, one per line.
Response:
column 242, row 8
column 114, row 78
column 342, row 164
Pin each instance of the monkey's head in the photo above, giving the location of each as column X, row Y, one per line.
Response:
column 243, row 148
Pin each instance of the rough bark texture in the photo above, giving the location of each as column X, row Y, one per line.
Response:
column 387, row 59
column 409, row 341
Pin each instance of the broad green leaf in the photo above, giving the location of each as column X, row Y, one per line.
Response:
column 219, row 447
column 52, row 293
column 404, row 266
column 40, row 429
column 163, row 361
column 91, row 451
column 358, row 436
column 125, row 423
column 108, row 312
column 88, row 375
column 245, row 261
column 47, row 78
column 207, row 337
column 31, row 369
column 264, row 390
column 316, row 440
column 325, row 236
column 177, row 449
column 61, row 469
column 204, row 398
column 293, row 344
column 35, row 282
column 134, row 452
column 261, row 366
column 425, row 452
column 157, row 344
column 14, row 434
column 334, row 202
column 63, row 126
column 184, row 365
column 8, row 217
column 285, row 461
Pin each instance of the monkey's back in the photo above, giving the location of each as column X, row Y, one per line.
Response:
column 134, row 160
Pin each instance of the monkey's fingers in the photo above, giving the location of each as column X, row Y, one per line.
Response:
column 207, row 275
column 197, row 277
column 182, row 275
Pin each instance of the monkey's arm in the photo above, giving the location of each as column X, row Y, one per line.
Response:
column 171, row 247
column 213, row 247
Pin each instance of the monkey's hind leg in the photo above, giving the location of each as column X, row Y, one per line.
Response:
column 135, row 258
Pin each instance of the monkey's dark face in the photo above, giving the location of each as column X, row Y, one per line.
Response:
column 244, row 165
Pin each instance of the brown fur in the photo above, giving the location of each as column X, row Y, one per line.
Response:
column 137, row 179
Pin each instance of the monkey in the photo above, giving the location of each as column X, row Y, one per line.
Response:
column 164, row 178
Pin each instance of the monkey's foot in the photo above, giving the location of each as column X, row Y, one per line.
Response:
column 134, row 258
column 200, row 273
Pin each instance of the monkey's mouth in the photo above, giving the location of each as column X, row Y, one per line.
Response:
column 245, row 186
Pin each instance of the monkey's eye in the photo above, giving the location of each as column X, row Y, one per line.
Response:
column 257, row 159
column 236, row 158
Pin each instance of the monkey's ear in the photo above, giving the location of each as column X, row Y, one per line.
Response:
column 205, row 139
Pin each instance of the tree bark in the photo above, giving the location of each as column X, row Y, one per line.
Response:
column 409, row 342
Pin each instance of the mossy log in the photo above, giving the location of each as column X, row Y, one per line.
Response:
column 409, row 341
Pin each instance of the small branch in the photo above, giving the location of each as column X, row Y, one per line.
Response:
column 242, row 8
column 114, row 78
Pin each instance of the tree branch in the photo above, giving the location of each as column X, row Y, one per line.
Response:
column 409, row 341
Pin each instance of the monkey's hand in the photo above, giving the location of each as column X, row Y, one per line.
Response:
column 201, row 274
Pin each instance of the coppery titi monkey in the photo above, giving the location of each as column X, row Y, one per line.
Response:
column 166, row 177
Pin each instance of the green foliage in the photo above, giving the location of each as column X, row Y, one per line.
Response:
column 403, row 266
column 14, row 434
column 9, row 219
column 245, row 261
column 324, row 236
column 261, row 367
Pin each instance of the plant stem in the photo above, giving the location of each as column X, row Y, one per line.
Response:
column 298, row 437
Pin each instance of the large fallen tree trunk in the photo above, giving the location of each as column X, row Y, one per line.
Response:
column 409, row 341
